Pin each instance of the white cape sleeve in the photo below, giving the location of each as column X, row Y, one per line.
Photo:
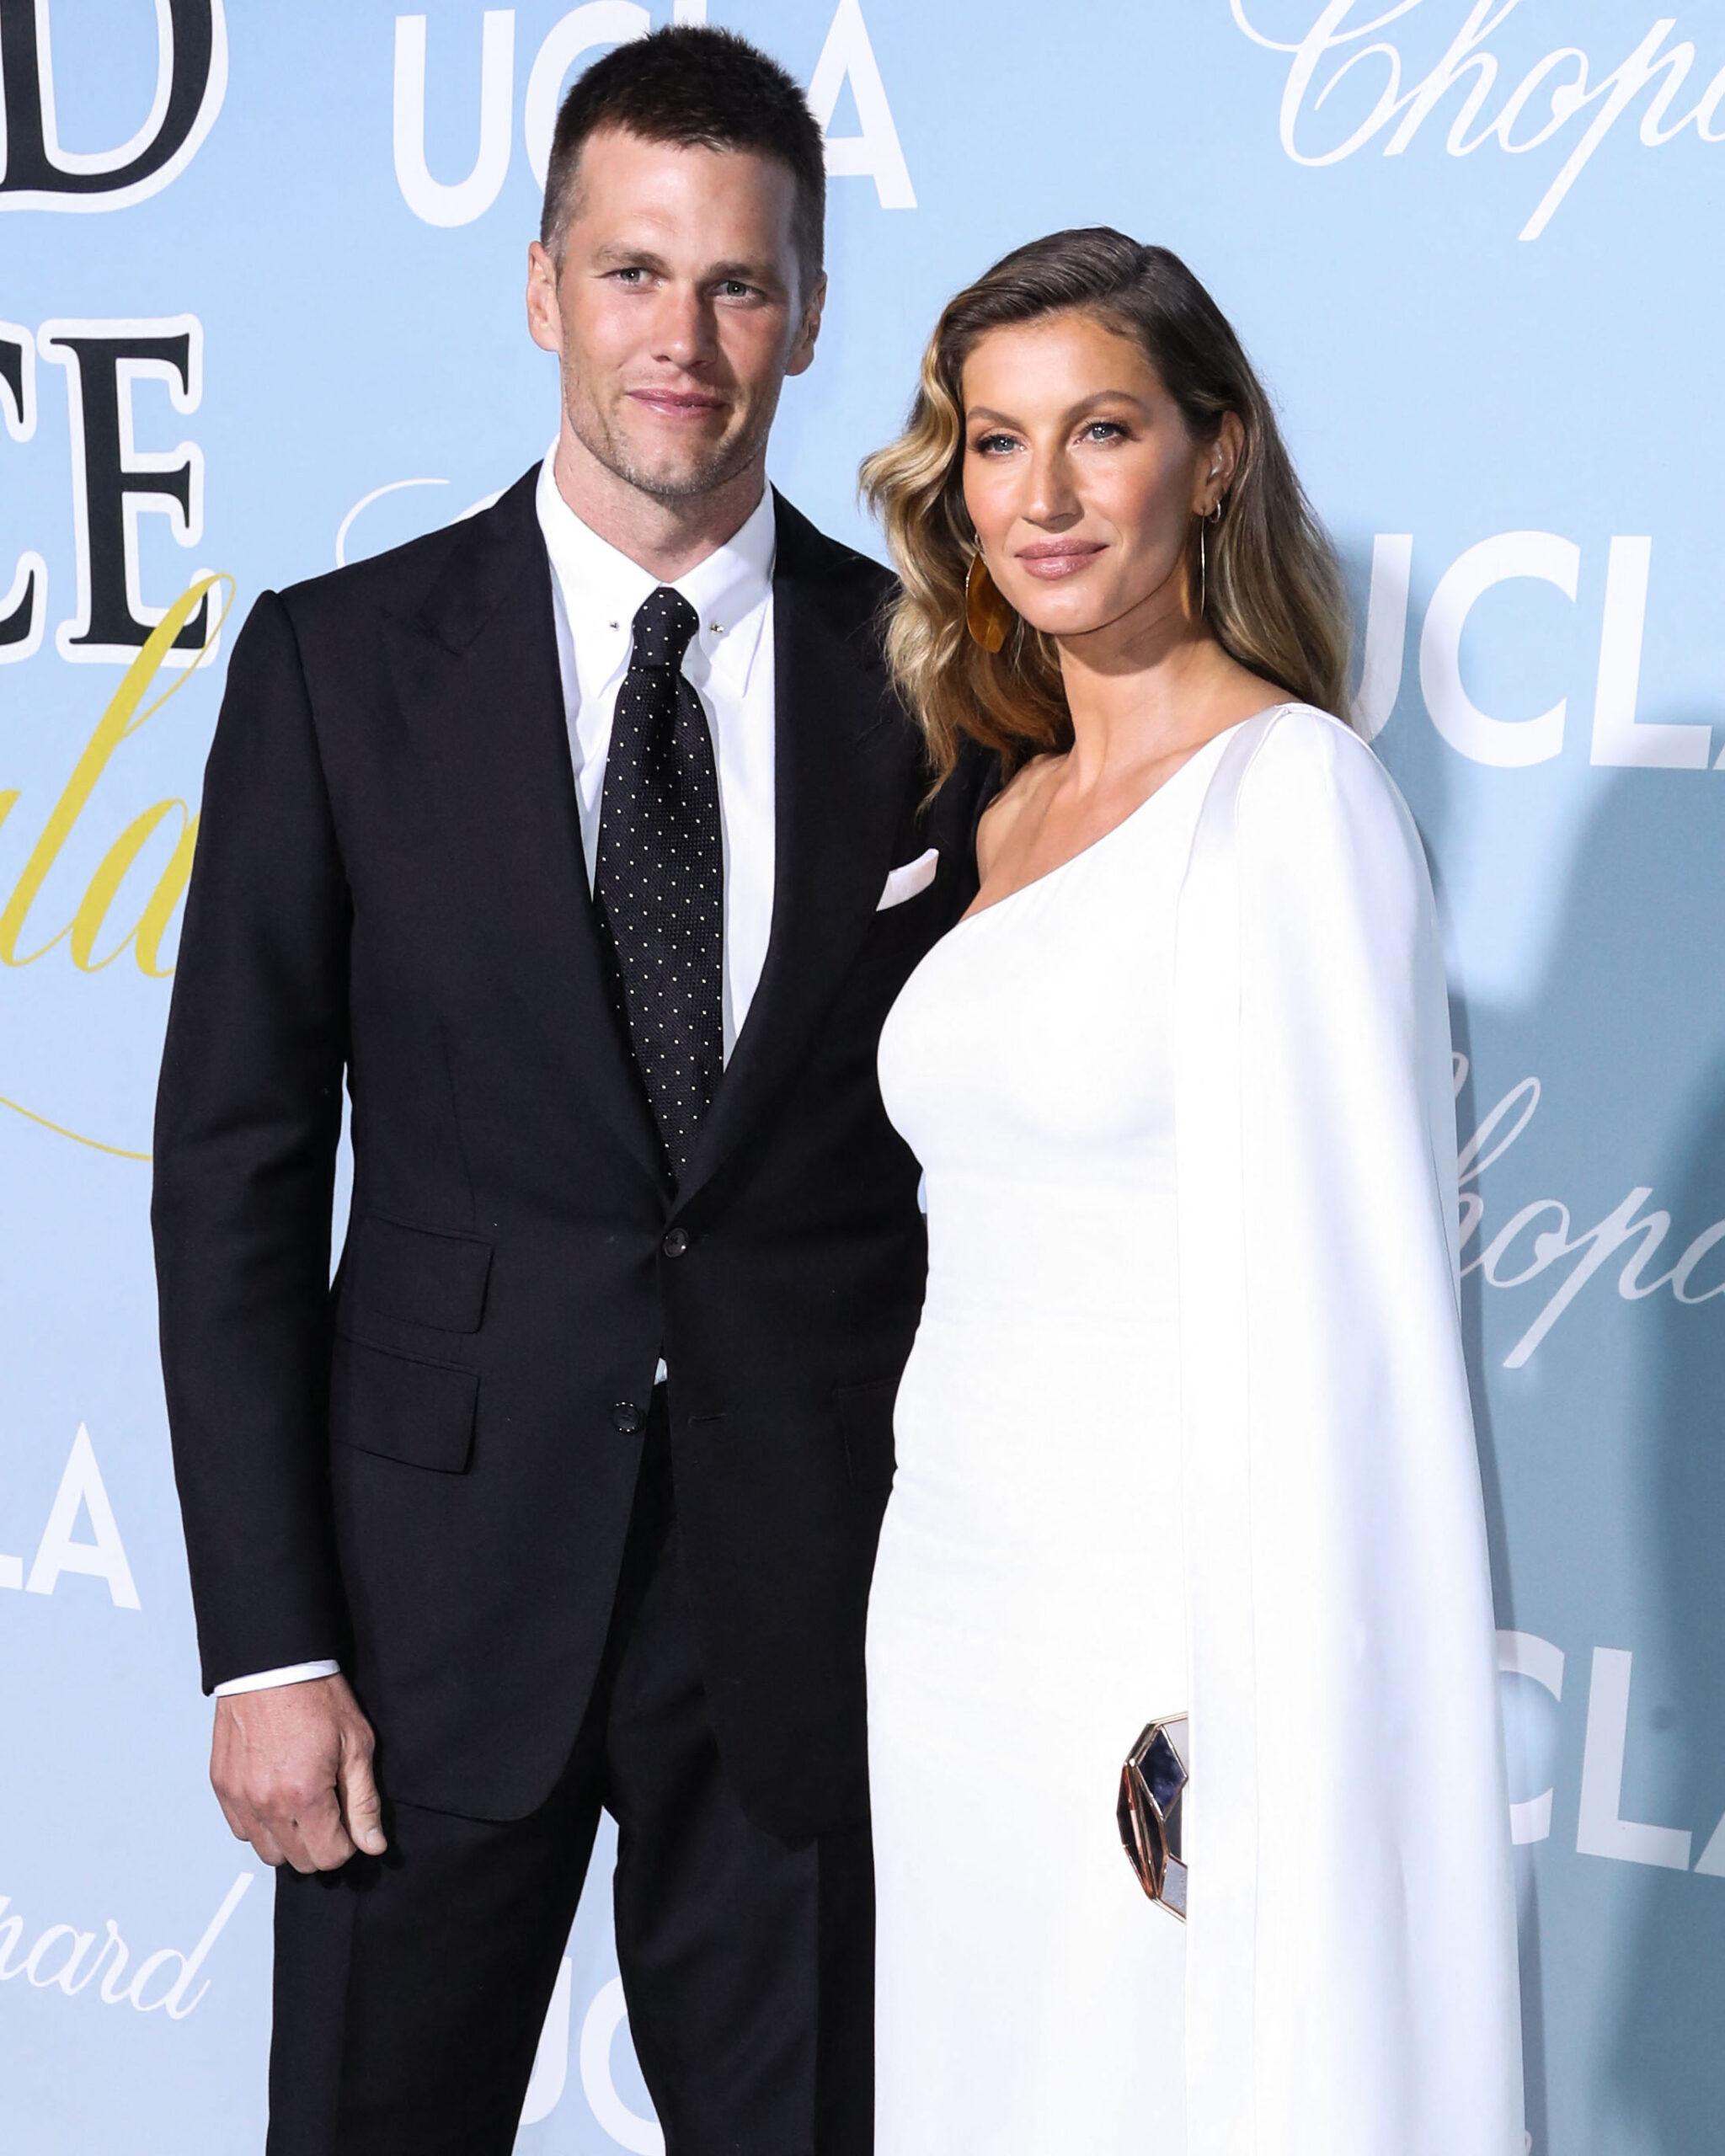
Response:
column 1351, row 1984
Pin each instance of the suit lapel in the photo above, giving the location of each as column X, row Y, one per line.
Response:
column 841, row 770
column 476, row 674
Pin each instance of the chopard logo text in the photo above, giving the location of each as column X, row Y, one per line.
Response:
column 1348, row 87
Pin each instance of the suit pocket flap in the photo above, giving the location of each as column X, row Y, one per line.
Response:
column 865, row 1413
column 422, row 1274
column 407, row 1410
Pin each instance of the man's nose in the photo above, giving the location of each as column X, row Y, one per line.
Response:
column 683, row 328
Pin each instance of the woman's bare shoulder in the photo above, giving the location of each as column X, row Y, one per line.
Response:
column 1021, row 793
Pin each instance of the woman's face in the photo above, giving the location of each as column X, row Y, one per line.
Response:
column 1080, row 475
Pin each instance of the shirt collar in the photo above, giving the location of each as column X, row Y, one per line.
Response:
column 602, row 589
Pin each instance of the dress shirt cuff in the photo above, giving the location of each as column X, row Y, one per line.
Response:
column 294, row 1673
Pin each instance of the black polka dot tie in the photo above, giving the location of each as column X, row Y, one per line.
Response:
column 659, row 883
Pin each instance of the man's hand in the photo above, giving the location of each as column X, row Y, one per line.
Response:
column 291, row 1765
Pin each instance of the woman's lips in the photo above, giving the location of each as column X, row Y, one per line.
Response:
column 1050, row 568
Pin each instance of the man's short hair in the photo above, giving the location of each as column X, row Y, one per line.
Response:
column 695, row 86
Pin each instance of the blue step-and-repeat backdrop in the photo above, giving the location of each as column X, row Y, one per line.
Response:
column 261, row 312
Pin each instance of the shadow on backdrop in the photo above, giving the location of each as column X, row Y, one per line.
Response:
column 1614, row 1005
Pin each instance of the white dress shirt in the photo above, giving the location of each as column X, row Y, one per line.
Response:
column 595, row 591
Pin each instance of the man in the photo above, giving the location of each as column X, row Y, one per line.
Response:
column 584, row 838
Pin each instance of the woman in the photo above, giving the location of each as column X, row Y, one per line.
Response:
column 1185, row 1427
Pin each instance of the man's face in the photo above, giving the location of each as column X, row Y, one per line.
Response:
column 678, row 310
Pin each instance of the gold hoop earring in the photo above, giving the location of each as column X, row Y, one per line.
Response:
column 1212, row 515
column 987, row 615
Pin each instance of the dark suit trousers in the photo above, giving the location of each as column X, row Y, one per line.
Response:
column 410, row 1988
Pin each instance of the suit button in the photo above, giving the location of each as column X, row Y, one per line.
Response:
column 627, row 1417
column 677, row 1241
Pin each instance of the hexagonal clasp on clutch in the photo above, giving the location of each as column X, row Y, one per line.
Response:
column 1152, row 1785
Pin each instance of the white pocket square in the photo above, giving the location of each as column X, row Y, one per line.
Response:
column 905, row 882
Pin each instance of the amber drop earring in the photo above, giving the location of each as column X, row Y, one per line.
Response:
column 987, row 613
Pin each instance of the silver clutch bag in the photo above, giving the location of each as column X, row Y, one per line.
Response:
column 1152, row 1785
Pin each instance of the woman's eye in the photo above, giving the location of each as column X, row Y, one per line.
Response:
column 985, row 444
column 1110, row 428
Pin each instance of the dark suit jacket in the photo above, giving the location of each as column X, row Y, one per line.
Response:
column 426, row 1468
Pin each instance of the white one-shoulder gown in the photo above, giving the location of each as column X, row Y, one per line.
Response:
column 1185, row 1429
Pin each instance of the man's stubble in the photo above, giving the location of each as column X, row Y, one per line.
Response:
column 610, row 447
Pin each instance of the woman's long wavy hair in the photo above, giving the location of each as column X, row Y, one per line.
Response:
column 1274, row 598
